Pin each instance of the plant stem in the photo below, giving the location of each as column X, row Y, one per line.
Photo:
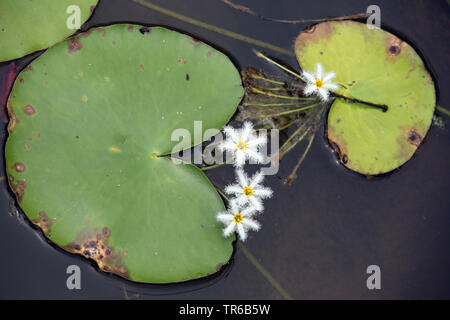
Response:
column 291, row 177
column 296, row 110
column 256, row 264
column 222, row 194
column 443, row 110
column 261, row 55
column 269, row 104
column 264, row 272
column 213, row 28
column 289, row 124
column 337, row 95
column 213, row 166
column 380, row 106
column 274, row 95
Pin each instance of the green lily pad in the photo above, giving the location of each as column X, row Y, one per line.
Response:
column 375, row 66
column 28, row 26
column 87, row 131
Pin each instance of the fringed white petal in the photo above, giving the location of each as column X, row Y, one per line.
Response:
column 241, row 199
column 231, row 133
column 263, row 193
column 308, row 77
column 257, row 179
column 256, row 203
column 319, row 71
column 323, row 94
column 251, row 224
column 309, row 89
column 241, row 231
column 233, row 207
column 330, row 75
column 239, row 159
column 242, row 178
column 226, row 218
column 248, row 211
column 229, row 229
column 330, row 86
column 258, row 141
column 246, row 130
column 227, row 145
column 254, row 155
column 233, row 189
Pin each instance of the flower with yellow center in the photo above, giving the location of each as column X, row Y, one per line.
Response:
column 249, row 191
column 238, row 218
column 318, row 83
column 243, row 144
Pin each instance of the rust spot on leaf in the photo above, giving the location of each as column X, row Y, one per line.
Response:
column 181, row 60
column 413, row 137
column 338, row 145
column 18, row 188
column 145, row 30
column 44, row 222
column 29, row 110
column 12, row 118
column 92, row 8
column 19, row 167
column 130, row 28
column 220, row 266
column 28, row 68
column 195, row 42
column 394, row 46
column 75, row 45
column 314, row 33
column 93, row 245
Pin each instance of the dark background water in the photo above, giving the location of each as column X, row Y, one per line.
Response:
column 320, row 234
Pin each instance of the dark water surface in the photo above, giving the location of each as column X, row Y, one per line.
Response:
column 320, row 234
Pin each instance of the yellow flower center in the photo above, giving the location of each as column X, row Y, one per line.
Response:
column 238, row 218
column 241, row 145
column 248, row 191
column 319, row 83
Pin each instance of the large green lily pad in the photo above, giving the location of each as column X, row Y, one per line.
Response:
column 27, row 26
column 376, row 66
column 90, row 118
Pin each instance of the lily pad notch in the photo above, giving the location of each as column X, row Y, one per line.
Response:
column 85, row 124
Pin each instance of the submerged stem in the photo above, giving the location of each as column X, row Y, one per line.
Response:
column 261, row 55
column 443, row 110
column 274, row 95
column 291, row 177
column 264, row 272
column 213, row 166
column 303, row 108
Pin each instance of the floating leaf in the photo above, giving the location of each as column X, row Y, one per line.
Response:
column 87, row 129
column 374, row 66
column 28, row 26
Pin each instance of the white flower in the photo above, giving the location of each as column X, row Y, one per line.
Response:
column 238, row 219
column 244, row 144
column 249, row 191
column 318, row 83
